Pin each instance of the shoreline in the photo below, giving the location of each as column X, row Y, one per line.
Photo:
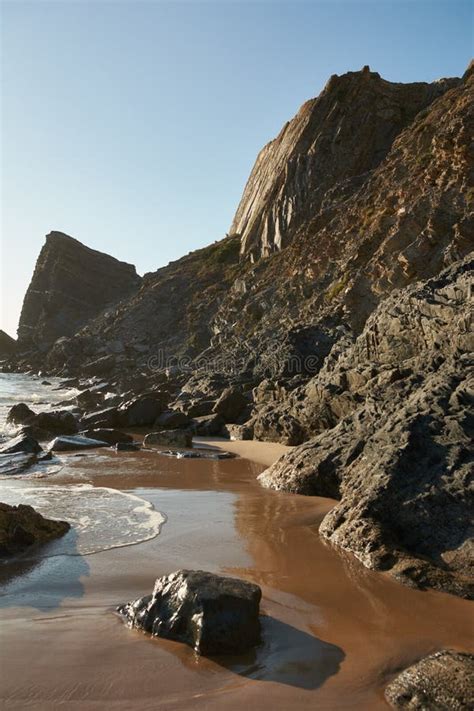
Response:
column 265, row 453
column 334, row 633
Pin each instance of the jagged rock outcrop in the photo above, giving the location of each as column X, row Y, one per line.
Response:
column 21, row 527
column 399, row 455
column 71, row 284
column 324, row 154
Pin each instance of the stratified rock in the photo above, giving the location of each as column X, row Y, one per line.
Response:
column 212, row 614
column 68, row 444
column 272, row 426
column 21, row 527
column 71, row 284
column 325, row 144
column 21, row 443
column 444, row 681
column 406, row 430
column 110, row 436
column 231, row 404
column 172, row 419
column 8, row 345
column 16, row 463
column 169, row 438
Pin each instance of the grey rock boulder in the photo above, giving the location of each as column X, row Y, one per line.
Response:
column 76, row 442
column 443, row 681
column 212, row 614
column 23, row 443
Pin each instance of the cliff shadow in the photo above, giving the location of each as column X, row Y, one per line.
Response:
column 42, row 578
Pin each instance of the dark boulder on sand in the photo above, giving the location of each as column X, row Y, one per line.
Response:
column 212, row 614
column 21, row 527
column 441, row 682
column 111, row 436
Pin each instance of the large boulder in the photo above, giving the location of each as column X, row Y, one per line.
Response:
column 143, row 410
column 231, row 404
column 213, row 614
column 107, row 418
column 21, row 527
column 56, row 422
column 444, row 681
column 19, row 414
column 169, row 438
column 23, row 443
column 69, row 444
column 110, row 436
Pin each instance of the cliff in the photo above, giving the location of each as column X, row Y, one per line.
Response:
column 71, row 284
column 324, row 154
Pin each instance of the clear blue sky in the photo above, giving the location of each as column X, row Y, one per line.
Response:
column 132, row 126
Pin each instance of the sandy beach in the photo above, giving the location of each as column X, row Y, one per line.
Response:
column 333, row 632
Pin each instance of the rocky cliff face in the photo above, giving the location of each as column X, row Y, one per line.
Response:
column 324, row 154
column 71, row 284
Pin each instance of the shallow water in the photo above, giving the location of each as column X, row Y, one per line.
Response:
column 334, row 633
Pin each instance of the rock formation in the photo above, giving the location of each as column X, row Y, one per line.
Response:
column 324, row 154
column 21, row 527
column 71, row 284
column 399, row 453
column 211, row 613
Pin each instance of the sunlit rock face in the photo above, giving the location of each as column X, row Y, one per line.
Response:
column 71, row 284
column 324, row 154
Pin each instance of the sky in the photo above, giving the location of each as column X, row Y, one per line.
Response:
column 133, row 125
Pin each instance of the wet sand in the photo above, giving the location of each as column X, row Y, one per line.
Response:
column 333, row 632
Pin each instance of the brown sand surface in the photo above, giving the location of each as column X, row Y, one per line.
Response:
column 334, row 633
